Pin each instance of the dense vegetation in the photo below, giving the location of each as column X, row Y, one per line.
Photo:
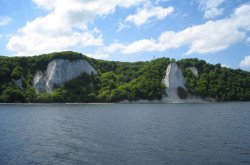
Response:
column 117, row 81
column 221, row 83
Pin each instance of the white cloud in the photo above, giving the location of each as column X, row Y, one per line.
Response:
column 225, row 65
column 147, row 13
column 213, row 36
column 140, row 46
column 97, row 56
column 47, row 4
column 96, row 7
column 65, row 26
column 36, row 43
column 211, row 8
column 245, row 62
column 122, row 26
column 4, row 20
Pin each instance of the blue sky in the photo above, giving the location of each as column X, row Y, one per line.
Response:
column 129, row 30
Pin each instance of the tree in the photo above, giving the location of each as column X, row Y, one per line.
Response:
column 12, row 95
column 16, row 73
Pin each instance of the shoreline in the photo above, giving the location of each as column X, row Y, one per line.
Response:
column 216, row 102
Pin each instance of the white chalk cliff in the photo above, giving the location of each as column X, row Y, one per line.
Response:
column 60, row 71
column 174, row 79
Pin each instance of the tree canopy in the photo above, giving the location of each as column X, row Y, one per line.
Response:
column 117, row 81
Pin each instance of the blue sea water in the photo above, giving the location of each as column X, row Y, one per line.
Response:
column 114, row 134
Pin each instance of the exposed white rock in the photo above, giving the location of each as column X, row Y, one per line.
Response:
column 174, row 77
column 40, row 82
column 194, row 71
column 60, row 71
column 174, row 98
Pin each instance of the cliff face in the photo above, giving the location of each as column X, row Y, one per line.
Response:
column 174, row 79
column 60, row 71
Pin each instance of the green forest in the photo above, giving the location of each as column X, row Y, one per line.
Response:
column 117, row 81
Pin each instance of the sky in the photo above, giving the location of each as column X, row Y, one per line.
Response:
column 217, row 31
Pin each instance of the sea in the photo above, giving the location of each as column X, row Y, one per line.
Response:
column 121, row 134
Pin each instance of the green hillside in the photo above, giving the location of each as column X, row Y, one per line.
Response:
column 117, row 81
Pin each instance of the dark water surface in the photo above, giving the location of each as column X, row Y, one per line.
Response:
column 114, row 134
